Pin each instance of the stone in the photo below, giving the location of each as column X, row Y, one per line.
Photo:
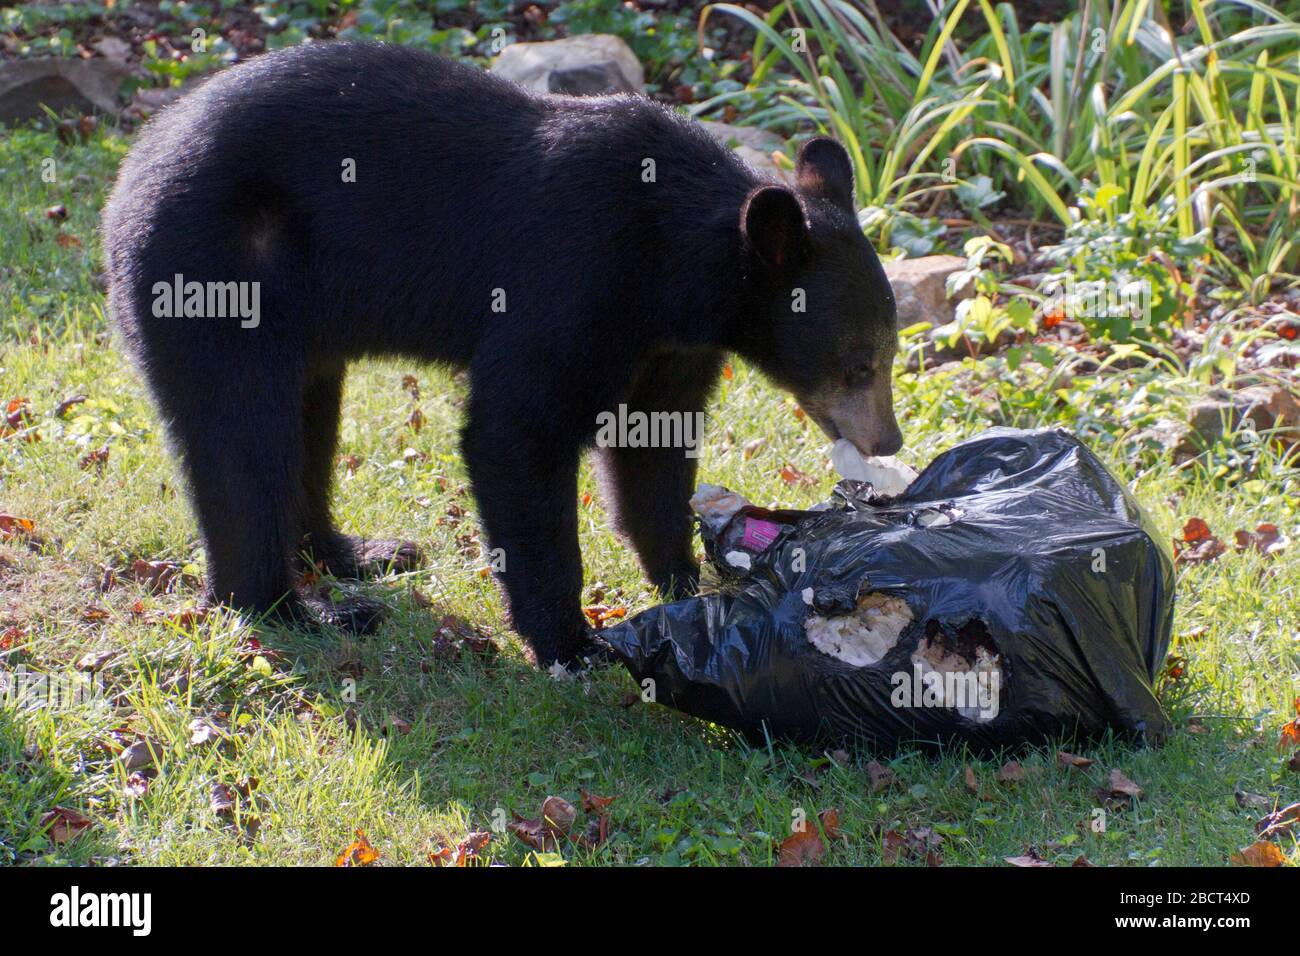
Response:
column 1270, row 409
column 754, row 145
column 585, row 65
column 61, row 83
column 920, row 293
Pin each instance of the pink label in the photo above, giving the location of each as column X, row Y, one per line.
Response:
column 759, row 533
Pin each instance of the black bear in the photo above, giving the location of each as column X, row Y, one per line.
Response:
column 577, row 256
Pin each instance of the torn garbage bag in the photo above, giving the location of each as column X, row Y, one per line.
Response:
column 1012, row 593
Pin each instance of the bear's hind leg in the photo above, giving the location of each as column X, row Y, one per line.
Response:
column 345, row 556
column 240, row 438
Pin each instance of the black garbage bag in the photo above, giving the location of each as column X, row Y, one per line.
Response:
column 1024, row 590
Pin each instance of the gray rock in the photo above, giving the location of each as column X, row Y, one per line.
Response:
column 920, row 292
column 61, row 83
column 921, row 295
column 581, row 66
column 755, row 146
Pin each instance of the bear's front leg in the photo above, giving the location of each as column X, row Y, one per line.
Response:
column 526, row 488
column 648, row 491
column 648, row 488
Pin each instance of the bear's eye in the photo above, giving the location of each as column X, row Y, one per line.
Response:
column 860, row 374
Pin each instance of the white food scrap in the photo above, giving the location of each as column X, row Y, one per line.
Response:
column 865, row 635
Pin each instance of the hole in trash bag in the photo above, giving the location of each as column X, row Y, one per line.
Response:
column 960, row 668
column 864, row 635
column 939, row 517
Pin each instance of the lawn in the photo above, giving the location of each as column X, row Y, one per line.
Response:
column 274, row 746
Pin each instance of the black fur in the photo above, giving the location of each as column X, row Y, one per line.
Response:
column 617, row 291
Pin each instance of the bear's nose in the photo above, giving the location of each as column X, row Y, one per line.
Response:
column 889, row 443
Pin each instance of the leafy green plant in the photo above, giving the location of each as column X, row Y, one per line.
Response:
column 1105, row 115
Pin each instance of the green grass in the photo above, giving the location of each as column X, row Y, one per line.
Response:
column 489, row 737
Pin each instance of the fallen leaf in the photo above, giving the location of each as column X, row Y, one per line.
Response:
column 970, row 781
column 357, row 853
column 92, row 661
column 1291, row 731
column 794, row 477
column 920, row 843
column 62, row 408
column 830, row 821
column 98, row 458
column 138, row 756
column 137, row 785
column 1010, row 772
column 801, row 848
column 1279, row 822
column 202, row 732
column 463, row 852
column 600, row 614
column 533, row 833
column 221, row 799
column 161, row 576
column 1032, row 858
column 401, row 726
column 64, row 825
column 15, row 527
column 1259, row 853
column 1199, row 545
column 1265, row 539
column 1245, row 799
column 597, row 832
column 1119, row 785
column 1067, row 760
column 882, row 777
column 558, row 814
column 594, row 804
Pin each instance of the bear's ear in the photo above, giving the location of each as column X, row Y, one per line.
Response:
column 773, row 226
column 825, row 171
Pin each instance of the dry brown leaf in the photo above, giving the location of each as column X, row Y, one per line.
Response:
column 1266, row 539
column 830, row 821
column 533, row 833
column 801, row 848
column 1259, row 853
column 1010, row 772
column 63, row 824
column 558, row 814
column 1068, row 760
column 594, row 804
column 1279, row 823
column 12, row 526
column 1198, row 545
column 882, row 777
column 1119, row 785
column 1032, row 858
column 357, row 853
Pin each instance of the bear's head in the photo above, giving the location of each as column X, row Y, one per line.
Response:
column 826, row 329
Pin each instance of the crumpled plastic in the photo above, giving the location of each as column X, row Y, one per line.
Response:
column 1019, row 542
